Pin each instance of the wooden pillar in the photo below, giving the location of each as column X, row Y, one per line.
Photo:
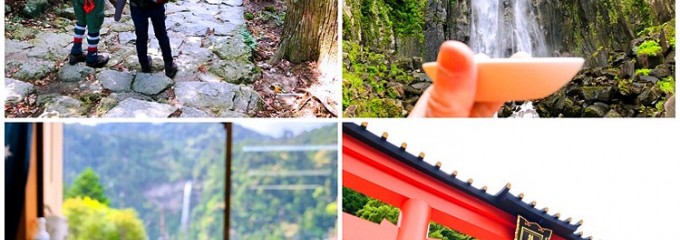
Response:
column 414, row 220
column 227, row 198
column 28, row 224
column 53, row 167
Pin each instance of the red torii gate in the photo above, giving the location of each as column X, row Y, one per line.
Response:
column 423, row 193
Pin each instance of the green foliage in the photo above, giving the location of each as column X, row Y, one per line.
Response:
column 368, row 74
column 370, row 209
column 248, row 39
column 649, row 48
column 639, row 11
column 375, row 211
column 136, row 160
column 644, row 71
column 376, row 22
column 667, row 85
column 87, row 185
column 248, row 16
column 667, row 28
column 381, row 20
column 381, row 108
column 660, row 106
column 90, row 219
column 624, row 86
column 439, row 231
column 270, row 8
column 278, row 18
column 408, row 16
column 294, row 214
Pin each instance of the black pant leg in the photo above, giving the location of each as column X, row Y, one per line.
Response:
column 141, row 20
column 158, row 22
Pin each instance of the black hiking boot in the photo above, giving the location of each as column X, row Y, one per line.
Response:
column 171, row 70
column 74, row 59
column 100, row 60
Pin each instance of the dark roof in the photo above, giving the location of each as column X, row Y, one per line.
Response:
column 503, row 200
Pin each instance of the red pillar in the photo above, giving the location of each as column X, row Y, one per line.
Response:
column 414, row 220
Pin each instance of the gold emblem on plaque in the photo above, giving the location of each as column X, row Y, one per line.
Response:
column 530, row 230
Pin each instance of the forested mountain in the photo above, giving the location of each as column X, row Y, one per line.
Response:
column 146, row 167
column 308, row 210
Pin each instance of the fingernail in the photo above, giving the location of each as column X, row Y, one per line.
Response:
column 455, row 56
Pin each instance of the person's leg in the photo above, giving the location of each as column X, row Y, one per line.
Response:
column 77, row 55
column 140, row 18
column 95, row 19
column 158, row 21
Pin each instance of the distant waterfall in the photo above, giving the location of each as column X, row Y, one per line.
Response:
column 186, row 210
column 503, row 27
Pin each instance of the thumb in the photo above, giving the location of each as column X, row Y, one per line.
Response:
column 455, row 84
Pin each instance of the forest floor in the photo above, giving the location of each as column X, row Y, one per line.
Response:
column 283, row 86
column 222, row 60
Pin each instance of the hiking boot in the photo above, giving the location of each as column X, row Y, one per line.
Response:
column 100, row 60
column 171, row 70
column 73, row 59
column 147, row 68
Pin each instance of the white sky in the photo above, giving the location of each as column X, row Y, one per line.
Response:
column 620, row 176
column 276, row 128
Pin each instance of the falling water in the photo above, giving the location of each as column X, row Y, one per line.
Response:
column 486, row 27
column 502, row 27
column 186, row 203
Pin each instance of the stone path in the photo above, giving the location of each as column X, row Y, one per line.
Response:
column 208, row 39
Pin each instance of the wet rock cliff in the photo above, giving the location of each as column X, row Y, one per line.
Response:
column 629, row 47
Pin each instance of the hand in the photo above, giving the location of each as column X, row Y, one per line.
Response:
column 453, row 92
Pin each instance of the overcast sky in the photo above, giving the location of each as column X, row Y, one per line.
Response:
column 621, row 177
column 276, row 128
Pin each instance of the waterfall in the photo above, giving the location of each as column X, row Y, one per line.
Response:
column 486, row 27
column 503, row 27
column 186, row 211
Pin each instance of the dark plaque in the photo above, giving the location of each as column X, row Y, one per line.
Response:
column 531, row 231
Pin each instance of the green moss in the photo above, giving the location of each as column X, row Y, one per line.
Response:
column 644, row 71
column 351, row 81
column 408, row 16
column 105, row 104
column 649, row 48
column 248, row 16
column 89, row 100
column 375, row 19
column 248, row 39
column 659, row 106
column 667, row 85
column 667, row 28
column 365, row 78
column 381, row 108
column 624, row 87
column 639, row 11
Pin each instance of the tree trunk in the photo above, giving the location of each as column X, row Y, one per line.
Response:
column 310, row 32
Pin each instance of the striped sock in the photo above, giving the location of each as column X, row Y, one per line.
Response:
column 79, row 32
column 92, row 41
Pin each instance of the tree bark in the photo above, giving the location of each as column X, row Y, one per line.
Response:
column 310, row 32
